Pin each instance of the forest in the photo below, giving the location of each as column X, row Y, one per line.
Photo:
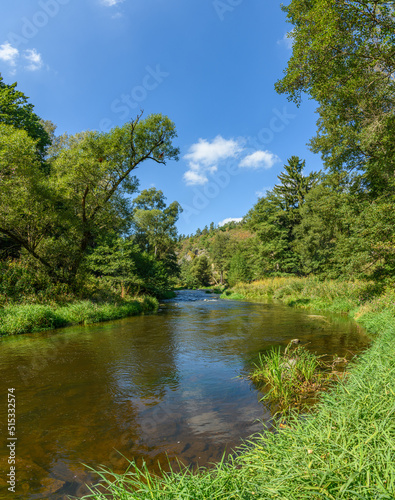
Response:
column 74, row 226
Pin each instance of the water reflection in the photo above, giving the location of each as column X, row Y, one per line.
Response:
column 149, row 387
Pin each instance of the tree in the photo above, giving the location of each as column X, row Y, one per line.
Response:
column 239, row 270
column 114, row 262
column 322, row 223
column 294, row 186
column 343, row 57
column 155, row 223
column 276, row 216
column 201, row 270
column 57, row 216
column 15, row 110
column 219, row 252
column 25, row 198
column 121, row 265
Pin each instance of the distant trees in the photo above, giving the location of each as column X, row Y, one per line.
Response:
column 201, row 270
column 239, row 269
column 219, row 253
column 196, row 273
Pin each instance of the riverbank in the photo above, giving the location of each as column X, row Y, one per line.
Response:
column 32, row 318
column 346, row 449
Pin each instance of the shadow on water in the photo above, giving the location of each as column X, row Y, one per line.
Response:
column 149, row 387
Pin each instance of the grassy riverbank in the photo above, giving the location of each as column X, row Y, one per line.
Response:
column 31, row 318
column 344, row 450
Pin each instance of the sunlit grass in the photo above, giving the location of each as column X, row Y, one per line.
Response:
column 28, row 318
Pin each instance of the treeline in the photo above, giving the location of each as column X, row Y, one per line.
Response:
column 69, row 225
column 319, row 224
column 339, row 223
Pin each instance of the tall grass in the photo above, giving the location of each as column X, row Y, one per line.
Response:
column 290, row 375
column 31, row 318
column 343, row 450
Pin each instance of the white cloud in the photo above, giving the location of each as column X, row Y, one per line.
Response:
column 111, row 3
column 193, row 178
column 259, row 159
column 286, row 41
column 34, row 58
column 208, row 153
column 262, row 192
column 204, row 156
column 230, row 219
column 8, row 53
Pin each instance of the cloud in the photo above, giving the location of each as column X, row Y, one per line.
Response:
column 194, row 178
column 287, row 40
column 230, row 219
column 262, row 192
column 8, row 53
column 260, row 159
column 204, row 156
column 111, row 3
column 34, row 58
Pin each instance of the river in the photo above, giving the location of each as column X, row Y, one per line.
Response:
column 155, row 388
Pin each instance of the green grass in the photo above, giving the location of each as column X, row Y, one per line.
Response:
column 345, row 449
column 230, row 295
column 31, row 318
column 292, row 376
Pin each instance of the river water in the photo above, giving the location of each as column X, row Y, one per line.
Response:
column 155, row 388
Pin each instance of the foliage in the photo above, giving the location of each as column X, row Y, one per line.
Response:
column 21, row 282
column 343, row 58
column 155, row 224
column 239, row 270
column 15, row 110
column 195, row 273
column 201, row 270
column 187, row 278
column 114, row 262
column 57, row 217
column 219, row 253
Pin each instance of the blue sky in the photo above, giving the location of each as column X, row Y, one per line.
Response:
column 209, row 65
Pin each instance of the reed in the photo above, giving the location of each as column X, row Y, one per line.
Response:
column 290, row 375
